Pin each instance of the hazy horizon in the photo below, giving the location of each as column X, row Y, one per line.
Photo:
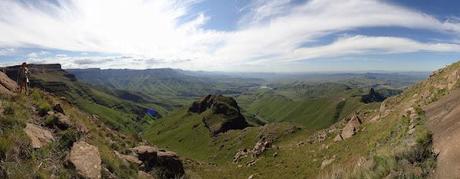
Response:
column 237, row 36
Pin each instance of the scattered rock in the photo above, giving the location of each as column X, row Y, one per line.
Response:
column 411, row 131
column 251, row 163
column 61, row 121
column 144, row 175
column 318, row 137
column 39, row 137
column 338, row 138
column 375, row 118
column 86, row 160
column 240, row 155
column 107, row 174
column 252, row 176
column 81, row 128
column 261, row 146
column 325, row 163
column 129, row 158
column 351, row 128
column 300, row 143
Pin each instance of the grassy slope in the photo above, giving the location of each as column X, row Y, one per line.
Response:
column 20, row 161
column 382, row 148
column 313, row 113
column 116, row 112
column 186, row 134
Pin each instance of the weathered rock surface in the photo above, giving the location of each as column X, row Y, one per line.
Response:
column 7, row 82
column 351, row 128
column 144, row 175
column 167, row 162
column 261, row 146
column 338, row 138
column 223, row 113
column 39, row 137
column 62, row 121
column 86, row 159
column 7, row 85
column 129, row 158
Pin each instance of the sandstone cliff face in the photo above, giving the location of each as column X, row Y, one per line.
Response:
column 7, row 85
column 220, row 113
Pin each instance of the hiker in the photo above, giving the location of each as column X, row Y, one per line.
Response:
column 23, row 78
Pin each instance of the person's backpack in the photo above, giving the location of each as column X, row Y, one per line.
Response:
column 27, row 74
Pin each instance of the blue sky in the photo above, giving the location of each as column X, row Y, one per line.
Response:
column 233, row 35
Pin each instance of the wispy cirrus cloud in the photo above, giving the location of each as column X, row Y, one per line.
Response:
column 271, row 30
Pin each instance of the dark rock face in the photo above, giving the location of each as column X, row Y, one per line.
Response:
column 220, row 113
column 164, row 164
column 372, row 97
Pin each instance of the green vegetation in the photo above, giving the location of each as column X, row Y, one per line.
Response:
column 18, row 158
column 314, row 108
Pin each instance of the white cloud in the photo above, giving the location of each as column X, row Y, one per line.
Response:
column 272, row 30
column 7, row 51
column 370, row 45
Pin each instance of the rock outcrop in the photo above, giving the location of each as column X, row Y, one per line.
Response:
column 86, row 160
column 165, row 163
column 59, row 120
column 261, row 146
column 220, row 113
column 373, row 96
column 350, row 129
column 7, row 85
column 39, row 137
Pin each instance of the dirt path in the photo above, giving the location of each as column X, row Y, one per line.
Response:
column 444, row 122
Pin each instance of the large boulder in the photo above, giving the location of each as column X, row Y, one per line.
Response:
column 351, row 128
column 166, row 164
column 7, row 86
column 60, row 121
column 8, row 83
column 129, row 158
column 86, row 160
column 144, row 175
column 39, row 137
column 220, row 113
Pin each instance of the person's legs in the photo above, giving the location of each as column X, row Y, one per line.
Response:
column 22, row 86
column 27, row 88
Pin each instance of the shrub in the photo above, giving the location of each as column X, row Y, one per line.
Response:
column 68, row 138
column 43, row 108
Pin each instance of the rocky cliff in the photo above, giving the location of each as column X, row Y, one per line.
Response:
column 220, row 113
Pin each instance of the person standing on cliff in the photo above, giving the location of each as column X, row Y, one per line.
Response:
column 23, row 78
